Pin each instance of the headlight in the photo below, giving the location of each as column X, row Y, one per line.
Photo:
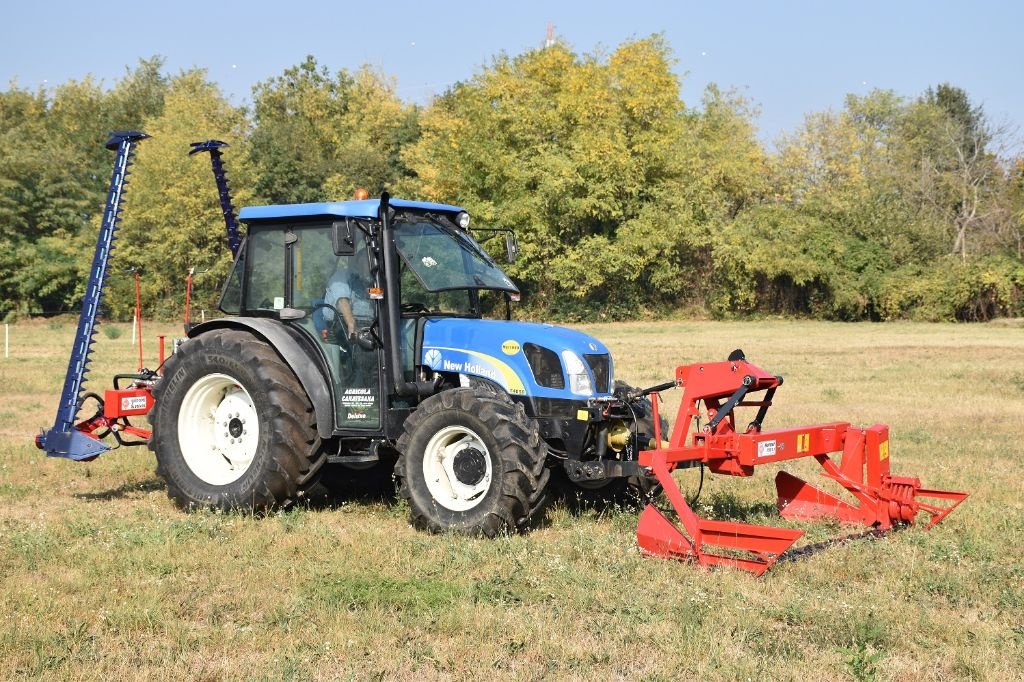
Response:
column 579, row 377
column 462, row 220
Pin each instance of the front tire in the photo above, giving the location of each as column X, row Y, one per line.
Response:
column 472, row 462
column 232, row 427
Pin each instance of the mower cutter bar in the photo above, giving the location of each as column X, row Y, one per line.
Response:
column 883, row 500
column 64, row 438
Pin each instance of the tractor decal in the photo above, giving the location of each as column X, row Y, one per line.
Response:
column 510, row 347
column 472, row 362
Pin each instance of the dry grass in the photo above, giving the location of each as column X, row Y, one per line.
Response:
column 104, row 579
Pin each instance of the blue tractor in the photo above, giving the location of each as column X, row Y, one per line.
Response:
column 356, row 338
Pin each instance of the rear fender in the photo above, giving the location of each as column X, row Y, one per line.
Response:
column 298, row 355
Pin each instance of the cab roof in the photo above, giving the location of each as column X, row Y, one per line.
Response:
column 365, row 208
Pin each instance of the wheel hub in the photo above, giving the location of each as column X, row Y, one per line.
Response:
column 218, row 429
column 470, row 466
column 457, row 468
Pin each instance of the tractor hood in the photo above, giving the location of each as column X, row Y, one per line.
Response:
column 524, row 358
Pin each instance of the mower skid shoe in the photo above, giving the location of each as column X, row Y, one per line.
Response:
column 798, row 499
column 72, row 444
column 657, row 536
column 898, row 503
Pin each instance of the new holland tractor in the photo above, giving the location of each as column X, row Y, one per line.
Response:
column 355, row 337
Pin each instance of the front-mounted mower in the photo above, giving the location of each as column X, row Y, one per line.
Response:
column 355, row 340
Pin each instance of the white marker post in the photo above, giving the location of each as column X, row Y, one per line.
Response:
column 134, row 327
column 7, row 340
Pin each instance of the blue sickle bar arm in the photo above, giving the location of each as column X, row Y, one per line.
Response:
column 63, row 439
column 223, row 189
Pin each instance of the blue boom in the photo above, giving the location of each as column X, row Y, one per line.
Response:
column 63, row 440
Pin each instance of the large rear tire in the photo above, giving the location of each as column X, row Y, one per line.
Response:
column 232, row 427
column 472, row 462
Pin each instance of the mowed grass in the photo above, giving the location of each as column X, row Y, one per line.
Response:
column 103, row 578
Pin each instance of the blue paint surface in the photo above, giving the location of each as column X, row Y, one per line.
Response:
column 493, row 349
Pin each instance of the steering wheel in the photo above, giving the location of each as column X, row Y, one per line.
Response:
column 414, row 307
column 337, row 328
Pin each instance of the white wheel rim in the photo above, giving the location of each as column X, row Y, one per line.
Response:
column 439, row 468
column 218, row 430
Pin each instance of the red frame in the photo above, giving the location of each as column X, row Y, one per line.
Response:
column 884, row 500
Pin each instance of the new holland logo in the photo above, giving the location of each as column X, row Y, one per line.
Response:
column 433, row 358
column 510, row 347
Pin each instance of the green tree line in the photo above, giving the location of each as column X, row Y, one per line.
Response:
column 628, row 201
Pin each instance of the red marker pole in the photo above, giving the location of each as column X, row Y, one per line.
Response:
column 138, row 314
column 188, row 295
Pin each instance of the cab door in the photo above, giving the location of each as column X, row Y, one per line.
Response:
column 323, row 285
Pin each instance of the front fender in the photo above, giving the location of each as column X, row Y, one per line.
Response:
column 304, row 361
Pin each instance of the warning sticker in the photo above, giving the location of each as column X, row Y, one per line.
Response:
column 803, row 442
column 883, row 450
column 133, row 403
column 766, row 448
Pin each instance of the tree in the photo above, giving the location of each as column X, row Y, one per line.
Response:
column 318, row 136
column 573, row 152
column 960, row 177
column 172, row 219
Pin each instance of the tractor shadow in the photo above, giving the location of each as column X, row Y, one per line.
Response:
column 126, row 490
column 339, row 486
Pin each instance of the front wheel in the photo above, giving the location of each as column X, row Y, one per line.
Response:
column 232, row 426
column 472, row 462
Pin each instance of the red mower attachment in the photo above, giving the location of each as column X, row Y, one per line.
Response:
column 863, row 470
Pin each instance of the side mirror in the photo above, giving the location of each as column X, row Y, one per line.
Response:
column 511, row 247
column 343, row 238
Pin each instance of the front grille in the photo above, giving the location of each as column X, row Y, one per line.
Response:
column 545, row 365
column 554, row 407
column 599, row 366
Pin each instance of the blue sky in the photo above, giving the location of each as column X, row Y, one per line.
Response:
column 789, row 58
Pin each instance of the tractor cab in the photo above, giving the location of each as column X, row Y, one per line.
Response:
column 320, row 268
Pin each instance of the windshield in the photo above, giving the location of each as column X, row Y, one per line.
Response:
column 443, row 257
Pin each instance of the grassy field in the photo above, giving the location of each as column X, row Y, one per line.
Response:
column 103, row 578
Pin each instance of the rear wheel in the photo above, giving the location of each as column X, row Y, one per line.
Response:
column 472, row 462
column 232, row 426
